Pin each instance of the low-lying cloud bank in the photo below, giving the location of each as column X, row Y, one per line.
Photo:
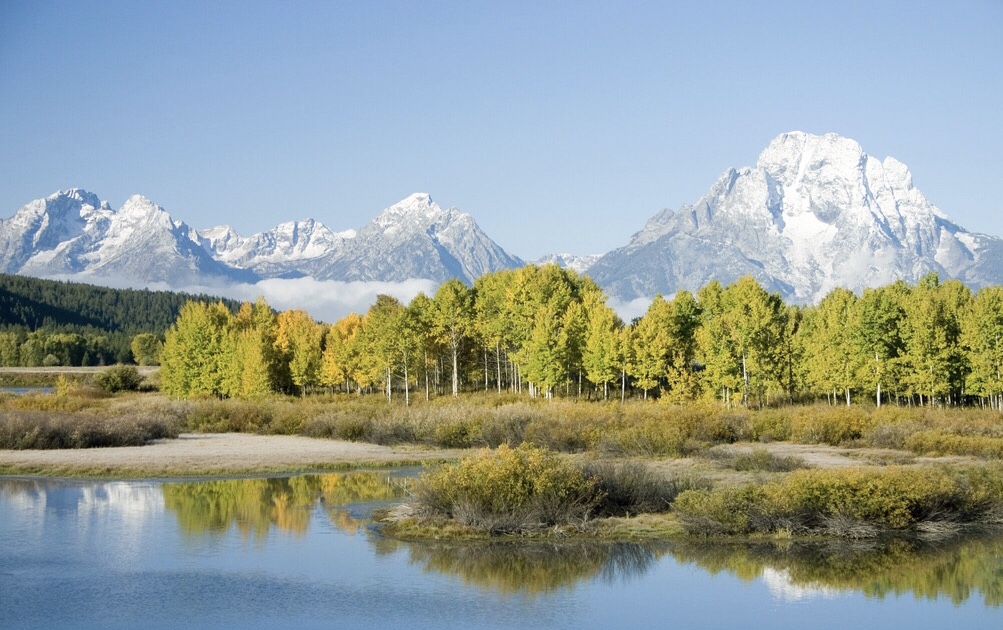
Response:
column 324, row 300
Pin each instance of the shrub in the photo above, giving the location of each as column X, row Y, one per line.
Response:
column 938, row 442
column 36, row 430
column 563, row 434
column 830, row 425
column 218, row 416
column 120, row 378
column 848, row 502
column 507, row 424
column 768, row 425
column 339, row 425
column 757, row 460
column 508, row 490
column 632, row 488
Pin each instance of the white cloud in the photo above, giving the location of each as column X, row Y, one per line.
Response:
column 629, row 310
column 325, row 300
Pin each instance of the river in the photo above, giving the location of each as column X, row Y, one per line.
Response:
column 299, row 552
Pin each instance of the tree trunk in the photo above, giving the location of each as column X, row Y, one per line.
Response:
column 745, row 382
column 498, row 361
column 456, row 376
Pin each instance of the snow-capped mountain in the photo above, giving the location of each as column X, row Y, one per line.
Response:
column 74, row 233
column 578, row 264
column 814, row 213
column 295, row 248
column 415, row 238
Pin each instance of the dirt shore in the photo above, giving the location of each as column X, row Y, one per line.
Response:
column 214, row 454
column 221, row 454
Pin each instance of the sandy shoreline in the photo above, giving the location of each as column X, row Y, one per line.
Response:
column 216, row 454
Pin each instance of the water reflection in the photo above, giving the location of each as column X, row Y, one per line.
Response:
column 255, row 506
column 956, row 570
column 129, row 514
column 531, row 567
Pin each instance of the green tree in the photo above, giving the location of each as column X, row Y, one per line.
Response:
column 383, row 325
column 146, row 348
column 491, row 293
column 453, row 319
column 742, row 339
column 299, row 340
column 198, row 349
column 882, row 313
column 546, row 365
column 715, row 346
column 683, row 323
column 601, row 356
column 833, row 354
column 933, row 359
column 421, row 321
column 651, row 346
column 982, row 336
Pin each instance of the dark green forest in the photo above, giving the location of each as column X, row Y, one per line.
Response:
column 50, row 322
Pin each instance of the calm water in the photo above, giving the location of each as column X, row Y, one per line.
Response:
column 298, row 553
column 20, row 391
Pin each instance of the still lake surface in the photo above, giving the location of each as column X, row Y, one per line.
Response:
column 299, row 552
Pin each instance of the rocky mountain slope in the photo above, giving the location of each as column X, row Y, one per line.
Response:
column 814, row 213
column 73, row 233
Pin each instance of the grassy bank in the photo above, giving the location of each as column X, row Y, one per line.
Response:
column 488, row 420
column 533, row 491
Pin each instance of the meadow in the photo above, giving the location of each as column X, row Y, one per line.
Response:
column 537, row 465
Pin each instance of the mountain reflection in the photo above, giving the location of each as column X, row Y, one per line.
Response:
column 255, row 506
column 955, row 570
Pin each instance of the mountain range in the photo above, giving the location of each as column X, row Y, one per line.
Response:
column 814, row 213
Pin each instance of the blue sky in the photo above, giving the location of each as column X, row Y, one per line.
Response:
column 560, row 126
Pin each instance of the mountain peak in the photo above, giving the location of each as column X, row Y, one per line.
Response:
column 815, row 213
column 417, row 208
column 78, row 194
column 792, row 156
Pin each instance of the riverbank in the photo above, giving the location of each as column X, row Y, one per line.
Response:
column 215, row 455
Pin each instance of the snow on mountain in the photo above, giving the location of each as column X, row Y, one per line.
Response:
column 288, row 250
column 73, row 233
column 415, row 238
column 578, row 264
column 814, row 213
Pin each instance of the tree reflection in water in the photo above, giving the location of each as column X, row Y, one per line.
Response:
column 931, row 570
column 532, row 567
column 254, row 506
column 956, row 569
